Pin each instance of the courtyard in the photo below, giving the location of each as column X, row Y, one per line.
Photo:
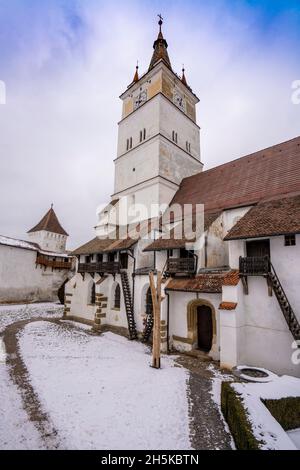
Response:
column 63, row 387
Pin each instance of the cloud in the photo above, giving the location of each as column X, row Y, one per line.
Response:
column 65, row 64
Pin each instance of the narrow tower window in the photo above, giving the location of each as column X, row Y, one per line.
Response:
column 117, row 302
column 93, row 294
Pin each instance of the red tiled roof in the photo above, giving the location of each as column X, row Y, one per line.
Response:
column 262, row 175
column 105, row 245
column 232, row 278
column 206, row 283
column 277, row 217
column 97, row 245
column 227, row 306
column 170, row 242
column 50, row 223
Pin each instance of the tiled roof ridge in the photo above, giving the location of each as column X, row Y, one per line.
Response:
column 250, row 155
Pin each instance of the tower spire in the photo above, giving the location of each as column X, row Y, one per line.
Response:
column 136, row 76
column 160, row 48
column 183, row 78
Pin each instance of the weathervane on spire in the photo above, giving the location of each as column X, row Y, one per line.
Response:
column 161, row 21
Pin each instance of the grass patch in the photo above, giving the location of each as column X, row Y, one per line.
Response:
column 237, row 419
column 286, row 411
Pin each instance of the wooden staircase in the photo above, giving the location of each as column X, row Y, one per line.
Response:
column 262, row 266
column 288, row 313
column 128, row 305
column 148, row 328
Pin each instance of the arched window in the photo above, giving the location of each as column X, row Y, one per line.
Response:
column 93, row 294
column 117, row 302
column 149, row 304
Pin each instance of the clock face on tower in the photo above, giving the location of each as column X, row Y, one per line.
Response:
column 178, row 100
column 140, row 99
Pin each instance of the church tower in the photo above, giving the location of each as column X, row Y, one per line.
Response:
column 159, row 139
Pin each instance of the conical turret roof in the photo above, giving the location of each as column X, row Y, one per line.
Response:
column 49, row 223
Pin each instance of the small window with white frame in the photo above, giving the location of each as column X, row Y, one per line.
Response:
column 290, row 240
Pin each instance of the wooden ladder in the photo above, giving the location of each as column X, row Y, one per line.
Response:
column 148, row 328
column 286, row 308
column 128, row 305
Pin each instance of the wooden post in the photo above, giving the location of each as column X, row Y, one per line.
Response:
column 156, row 300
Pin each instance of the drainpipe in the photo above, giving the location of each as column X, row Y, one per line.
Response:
column 168, row 321
column 205, row 251
column 196, row 257
column 197, row 262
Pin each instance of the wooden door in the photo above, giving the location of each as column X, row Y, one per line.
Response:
column 124, row 260
column 205, row 328
column 258, row 248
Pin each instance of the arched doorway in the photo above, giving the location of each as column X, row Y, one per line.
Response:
column 149, row 303
column 149, row 321
column 204, row 328
column 61, row 292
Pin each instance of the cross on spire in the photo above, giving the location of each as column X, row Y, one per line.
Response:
column 161, row 21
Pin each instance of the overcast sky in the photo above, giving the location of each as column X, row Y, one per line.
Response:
column 65, row 63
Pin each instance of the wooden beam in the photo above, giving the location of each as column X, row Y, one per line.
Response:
column 156, row 300
column 245, row 284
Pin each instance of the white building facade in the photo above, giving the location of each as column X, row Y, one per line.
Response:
column 233, row 293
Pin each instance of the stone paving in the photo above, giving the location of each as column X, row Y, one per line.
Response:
column 208, row 429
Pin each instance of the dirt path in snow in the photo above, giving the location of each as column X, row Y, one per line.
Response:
column 207, row 428
column 21, row 377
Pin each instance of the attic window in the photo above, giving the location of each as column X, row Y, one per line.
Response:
column 290, row 240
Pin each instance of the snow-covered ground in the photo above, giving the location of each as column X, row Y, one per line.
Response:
column 265, row 427
column 12, row 313
column 101, row 392
column 16, row 432
column 295, row 437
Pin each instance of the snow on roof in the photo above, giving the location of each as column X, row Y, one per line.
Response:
column 18, row 243
column 13, row 242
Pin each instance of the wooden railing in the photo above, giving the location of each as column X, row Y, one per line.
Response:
column 109, row 267
column 255, row 266
column 181, row 265
column 54, row 264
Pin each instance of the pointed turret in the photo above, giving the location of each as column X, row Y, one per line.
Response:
column 183, row 78
column 49, row 234
column 49, row 223
column 160, row 48
column 136, row 76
